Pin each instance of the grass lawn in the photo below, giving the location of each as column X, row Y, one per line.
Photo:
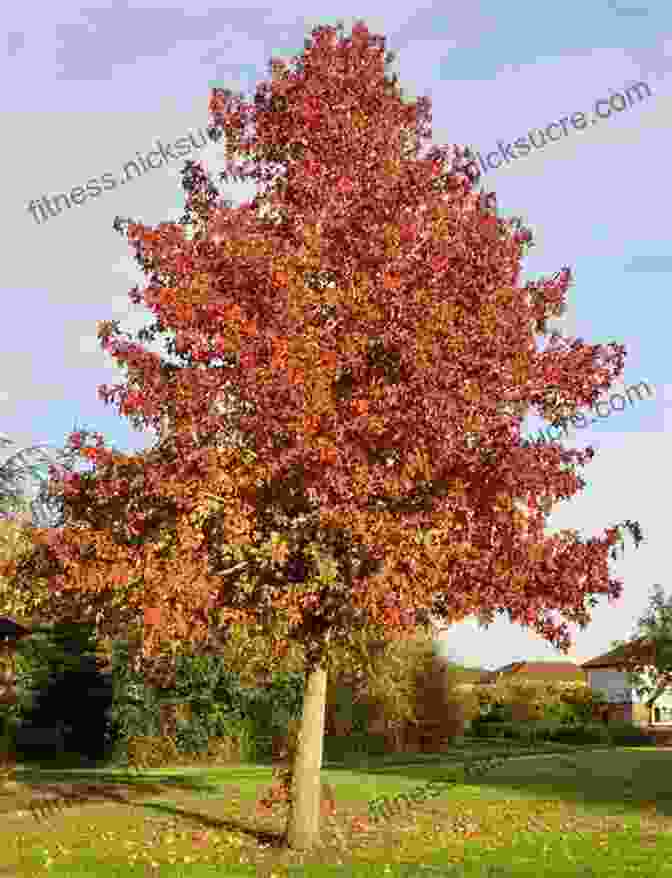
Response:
column 580, row 812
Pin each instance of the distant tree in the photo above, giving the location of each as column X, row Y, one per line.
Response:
column 647, row 657
column 66, row 685
column 16, row 473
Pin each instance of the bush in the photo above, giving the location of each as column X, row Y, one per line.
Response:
column 533, row 732
column 536, row 731
column 624, row 734
column 337, row 749
column 589, row 733
column 498, row 713
column 492, row 729
column 565, row 714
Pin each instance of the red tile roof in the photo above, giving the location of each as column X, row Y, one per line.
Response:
column 610, row 659
column 543, row 670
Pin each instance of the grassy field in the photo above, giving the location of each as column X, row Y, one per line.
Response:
column 579, row 812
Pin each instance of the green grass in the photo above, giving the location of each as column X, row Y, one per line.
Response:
column 579, row 812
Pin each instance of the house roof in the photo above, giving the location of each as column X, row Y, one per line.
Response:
column 543, row 670
column 611, row 659
column 474, row 675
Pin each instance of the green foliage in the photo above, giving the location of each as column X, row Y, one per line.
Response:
column 648, row 656
column 589, row 733
column 273, row 706
column 534, row 731
column 220, row 706
column 625, row 734
column 134, row 706
column 528, row 732
column 50, row 665
column 491, row 729
column 51, row 651
column 567, row 714
column 498, row 713
column 354, row 746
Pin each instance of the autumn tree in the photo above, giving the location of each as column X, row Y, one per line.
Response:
column 373, row 321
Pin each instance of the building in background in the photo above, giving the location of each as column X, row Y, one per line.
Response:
column 624, row 703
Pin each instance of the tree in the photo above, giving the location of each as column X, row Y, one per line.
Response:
column 377, row 676
column 13, row 471
column 16, row 472
column 17, row 510
column 647, row 657
column 373, row 322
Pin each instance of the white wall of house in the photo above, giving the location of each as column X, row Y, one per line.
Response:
column 613, row 684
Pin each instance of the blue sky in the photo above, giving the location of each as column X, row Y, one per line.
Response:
column 90, row 88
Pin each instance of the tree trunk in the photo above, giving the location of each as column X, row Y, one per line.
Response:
column 303, row 825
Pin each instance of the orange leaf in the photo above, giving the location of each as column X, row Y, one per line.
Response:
column 328, row 359
column 391, row 282
column 328, row 454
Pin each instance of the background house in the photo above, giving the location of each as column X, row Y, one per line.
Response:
column 532, row 672
column 624, row 703
column 542, row 671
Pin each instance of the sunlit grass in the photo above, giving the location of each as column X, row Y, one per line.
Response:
column 589, row 813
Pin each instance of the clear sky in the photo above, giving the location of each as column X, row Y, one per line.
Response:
column 86, row 90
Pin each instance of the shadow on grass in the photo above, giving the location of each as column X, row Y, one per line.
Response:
column 262, row 836
column 612, row 782
column 106, row 784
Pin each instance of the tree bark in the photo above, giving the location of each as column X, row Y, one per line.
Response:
column 303, row 825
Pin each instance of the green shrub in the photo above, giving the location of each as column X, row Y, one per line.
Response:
column 535, row 731
column 625, row 734
column 498, row 713
column 356, row 744
column 546, row 730
column 565, row 714
column 488, row 729
column 589, row 733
